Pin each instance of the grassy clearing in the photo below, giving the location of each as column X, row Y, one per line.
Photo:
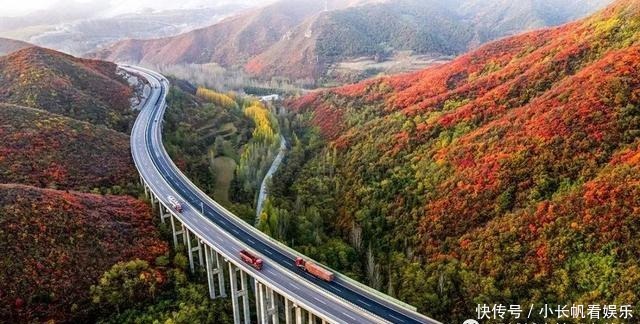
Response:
column 224, row 169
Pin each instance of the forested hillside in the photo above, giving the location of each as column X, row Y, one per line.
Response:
column 302, row 40
column 223, row 142
column 48, row 150
column 506, row 176
column 228, row 42
column 87, row 90
column 68, row 188
column 371, row 30
column 56, row 244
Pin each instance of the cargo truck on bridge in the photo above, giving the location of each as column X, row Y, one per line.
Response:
column 175, row 204
column 314, row 269
column 251, row 259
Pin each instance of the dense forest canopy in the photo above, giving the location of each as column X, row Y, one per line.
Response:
column 506, row 176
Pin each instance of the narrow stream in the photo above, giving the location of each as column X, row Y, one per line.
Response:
column 274, row 167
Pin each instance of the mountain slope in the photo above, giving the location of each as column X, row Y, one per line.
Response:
column 232, row 41
column 301, row 40
column 83, row 89
column 8, row 46
column 57, row 243
column 423, row 27
column 86, row 32
column 48, row 150
column 506, row 176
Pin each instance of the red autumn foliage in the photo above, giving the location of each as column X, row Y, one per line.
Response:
column 519, row 159
column 45, row 150
column 56, row 244
column 87, row 90
column 329, row 118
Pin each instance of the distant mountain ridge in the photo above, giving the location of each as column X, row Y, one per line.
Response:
column 8, row 46
column 229, row 42
column 300, row 39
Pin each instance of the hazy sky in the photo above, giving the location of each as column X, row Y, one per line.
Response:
column 12, row 8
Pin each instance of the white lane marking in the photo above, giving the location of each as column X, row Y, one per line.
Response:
column 294, row 286
column 319, row 300
column 270, row 271
column 252, row 241
column 398, row 319
column 235, row 231
column 336, row 289
column 364, row 302
column 268, row 252
column 349, row 316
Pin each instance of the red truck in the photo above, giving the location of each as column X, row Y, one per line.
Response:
column 175, row 204
column 251, row 259
column 314, row 269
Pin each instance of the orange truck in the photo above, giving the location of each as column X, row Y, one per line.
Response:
column 314, row 269
column 251, row 259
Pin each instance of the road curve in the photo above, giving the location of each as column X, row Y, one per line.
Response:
column 340, row 301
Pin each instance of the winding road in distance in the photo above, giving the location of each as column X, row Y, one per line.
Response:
column 340, row 301
column 262, row 196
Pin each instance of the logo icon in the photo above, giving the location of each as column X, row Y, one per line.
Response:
column 470, row 321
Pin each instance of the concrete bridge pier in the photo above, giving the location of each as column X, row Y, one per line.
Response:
column 215, row 268
column 177, row 233
column 288, row 307
column 298, row 314
column 194, row 245
column 173, row 232
column 268, row 303
column 144, row 186
column 146, row 189
column 239, row 290
column 267, row 308
column 164, row 213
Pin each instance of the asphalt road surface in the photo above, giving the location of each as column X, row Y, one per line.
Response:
column 340, row 301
